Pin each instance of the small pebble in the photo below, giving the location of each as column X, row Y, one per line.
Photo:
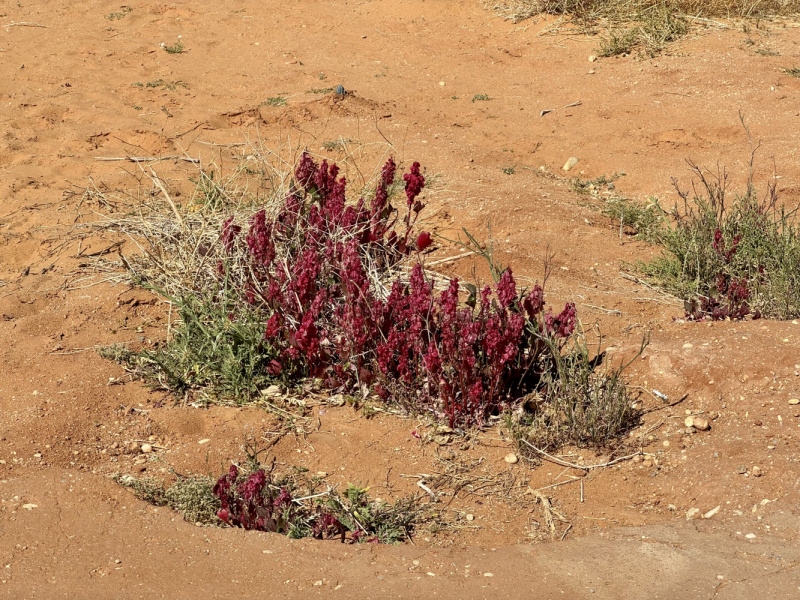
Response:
column 146, row 448
column 750, row 536
column 701, row 424
column 794, row 401
column 712, row 512
column 742, row 470
column 692, row 513
column 511, row 459
column 470, row 517
column 204, row 441
column 689, row 421
column 665, row 443
column 321, row 474
column 592, row 58
column 571, row 162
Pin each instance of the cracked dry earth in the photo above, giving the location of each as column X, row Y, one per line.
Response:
column 68, row 418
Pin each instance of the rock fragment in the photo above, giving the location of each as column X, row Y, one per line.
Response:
column 571, row 162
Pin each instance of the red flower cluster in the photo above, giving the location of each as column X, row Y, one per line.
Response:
column 424, row 350
column 462, row 363
column 719, row 246
column 728, row 299
column 252, row 503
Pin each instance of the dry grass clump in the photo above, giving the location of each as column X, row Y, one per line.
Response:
column 180, row 243
column 584, row 402
column 630, row 10
column 646, row 25
column 190, row 496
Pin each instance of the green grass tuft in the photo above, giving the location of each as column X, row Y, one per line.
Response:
column 167, row 85
column 218, row 349
column 176, row 48
column 647, row 222
column 193, row 498
column 274, row 101
column 652, row 31
column 121, row 14
column 580, row 403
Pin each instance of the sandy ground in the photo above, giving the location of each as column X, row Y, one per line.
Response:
column 69, row 95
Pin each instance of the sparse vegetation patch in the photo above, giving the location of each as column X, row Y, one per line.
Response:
column 120, row 14
column 176, row 48
column 161, row 83
column 292, row 504
column 647, row 25
column 275, row 101
column 730, row 257
column 313, row 285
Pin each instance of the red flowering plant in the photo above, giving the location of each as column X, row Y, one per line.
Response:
column 257, row 501
column 312, row 268
column 333, row 288
column 318, row 266
column 466, row 363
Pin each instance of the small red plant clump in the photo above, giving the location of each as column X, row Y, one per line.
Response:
column 252, row 503
column 313, row 268
column 732, row 294
column 470, row 362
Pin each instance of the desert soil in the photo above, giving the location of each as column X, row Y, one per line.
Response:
column 411, row 69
